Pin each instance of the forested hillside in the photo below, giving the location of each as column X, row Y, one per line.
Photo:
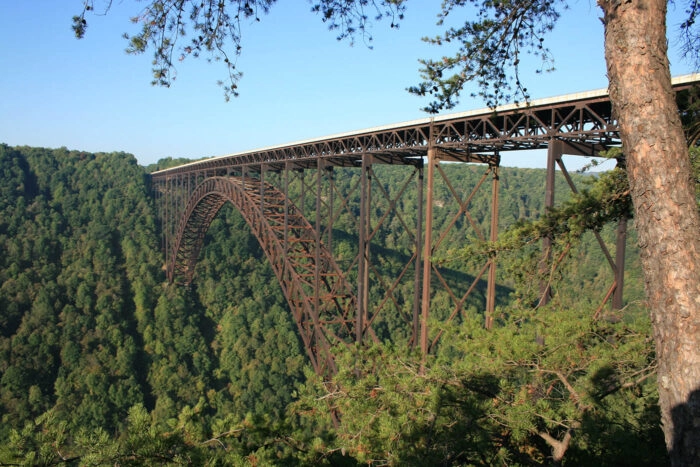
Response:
column 102, row 362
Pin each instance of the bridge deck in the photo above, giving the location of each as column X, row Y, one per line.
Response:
column 583, row 118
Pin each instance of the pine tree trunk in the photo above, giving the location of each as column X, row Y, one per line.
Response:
column 665, row 214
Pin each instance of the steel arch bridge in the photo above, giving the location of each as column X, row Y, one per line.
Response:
column 288, row 196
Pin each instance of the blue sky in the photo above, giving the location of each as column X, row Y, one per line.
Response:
column 298, row 83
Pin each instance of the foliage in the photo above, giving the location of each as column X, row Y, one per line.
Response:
column 490, row 48
column 490, row 52
column 215, row 29
column 102, row 362
column 88, row 328
column 695, row 164
column 605, row 200
column 486, row 49
column 166, row 163
column 546, row 384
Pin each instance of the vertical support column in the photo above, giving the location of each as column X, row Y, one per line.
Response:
column 175, row 216
column 427, row 253
column 188, row 177
column 177, row 211
column 331, row 190
column 617, row 301
column 620, row 247
column 156, row 190
column 301, row 205
column 166, row 226
column 553, row 154
column 368, row 240
column 262, row 197
column 179, row 206
column 491, row 287
column 317, row 240
column 419, row 246
column 286, row 211
column 362, row 267
column 172, row 230
column 172, row 225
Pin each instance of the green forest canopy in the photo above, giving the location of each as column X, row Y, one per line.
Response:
column 103, row 362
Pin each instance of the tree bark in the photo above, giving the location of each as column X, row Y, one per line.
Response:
column 666, row 217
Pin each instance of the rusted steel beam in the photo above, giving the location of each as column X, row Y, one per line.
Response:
column 553, row 154
column 621, row 244
column 313, row 284
column 427, row 252
column 417, row 280
column 363, row 252
column 585, row 118
column 493, row 236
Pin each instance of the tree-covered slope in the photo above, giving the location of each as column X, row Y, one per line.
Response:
column 102, row 360
column 79, row 255
column 89, row 327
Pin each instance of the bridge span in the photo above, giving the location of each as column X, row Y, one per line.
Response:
column 289, row 197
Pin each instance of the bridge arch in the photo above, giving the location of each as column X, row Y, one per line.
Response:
column 318, row 294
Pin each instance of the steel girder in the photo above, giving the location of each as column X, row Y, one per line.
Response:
column 315, row 288
column 585, row 119
column 365, row 209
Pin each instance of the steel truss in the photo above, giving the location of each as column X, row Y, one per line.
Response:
column 344, row 287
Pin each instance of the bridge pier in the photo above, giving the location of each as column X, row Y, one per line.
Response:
column 617, row 301
column 430, row 246
column 493, row 236
column 555, row 150
column 364, row 251
column 417, row 281
column 428, row 251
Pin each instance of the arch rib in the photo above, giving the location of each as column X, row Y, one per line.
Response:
column 293, row 257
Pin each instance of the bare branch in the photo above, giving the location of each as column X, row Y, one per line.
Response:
column 559, row 448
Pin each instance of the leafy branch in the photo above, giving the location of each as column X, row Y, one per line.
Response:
column 175, row 30
column 489, row 51
column 607, row 200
